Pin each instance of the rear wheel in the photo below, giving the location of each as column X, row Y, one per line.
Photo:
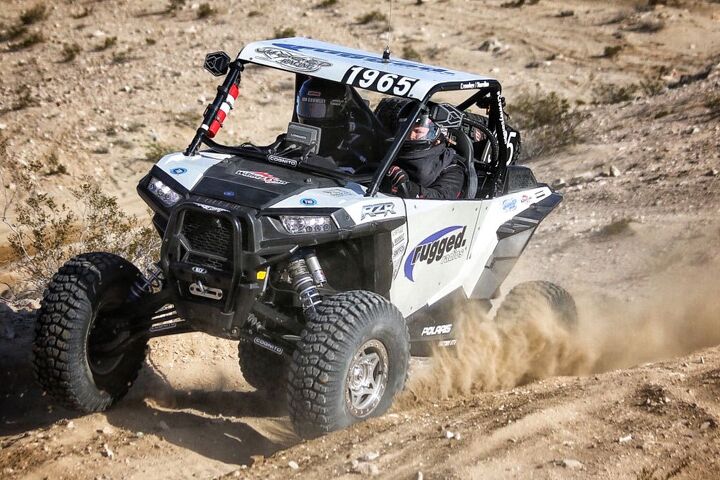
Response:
column 531, row 298
column 350, row 363
column 76, row 329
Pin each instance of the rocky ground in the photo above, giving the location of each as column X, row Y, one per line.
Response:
column 635, row 241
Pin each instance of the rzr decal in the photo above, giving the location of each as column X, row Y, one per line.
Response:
column 262, row 177
column 300, row 63
column 378, row 81
column 439, row 247
column 377, row 210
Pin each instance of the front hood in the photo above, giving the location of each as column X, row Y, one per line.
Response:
column 251, row 183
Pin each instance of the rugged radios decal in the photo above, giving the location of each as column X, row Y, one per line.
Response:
column 443, row 246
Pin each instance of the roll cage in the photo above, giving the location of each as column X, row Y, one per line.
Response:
column 487, row 93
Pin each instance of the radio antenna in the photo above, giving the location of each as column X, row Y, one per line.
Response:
column 386, row 52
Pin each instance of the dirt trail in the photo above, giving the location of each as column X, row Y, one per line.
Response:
column 638, row 249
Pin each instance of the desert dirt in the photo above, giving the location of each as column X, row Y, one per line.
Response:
column 633, row 392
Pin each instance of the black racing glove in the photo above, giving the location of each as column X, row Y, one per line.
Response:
column 395, row 180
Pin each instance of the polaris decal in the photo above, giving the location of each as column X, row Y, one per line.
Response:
column 440, row 247
column 379, row 81
column 178, row 171
column 437, row 330
column 377, row 210
column 510, row 204
column 308, row 201
column 262, row 177
column 301, row 63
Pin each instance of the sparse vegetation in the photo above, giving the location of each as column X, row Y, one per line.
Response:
column 371, row 17
column 25, row 99
column 284, row 32
column 121, row 57
column 616, row 227
column 652, row 86
column 327, row 3
column 35, row 14
column 150, row 41
column 12, row 32
column 612, row 93
column 85, row 12
column 409, row 53
column 519, row 3
column 205, row 11
column 647, row 25
column 53, row 165
column 254, row 13
column 174, row 6
column 70, row 51
column 611, row 51
column 27, row 42
column 156, row 150
column 109, row 42
column 546, row 121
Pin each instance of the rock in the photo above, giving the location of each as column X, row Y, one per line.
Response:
column 370, row 456
column 713, row 172
column 163, row 425
column 70, row 425
column 582, row 178
column 420, row 476
column 493, row 45
column 705, row 426
column 691, row 130
column 449, row 434
column 257, row 459
column 559, row 183
column 625, row 439
column 365, row 468
column 107, row 430
column 572, row 464
column 614, row 171
column 293, row 464
column 107, row 452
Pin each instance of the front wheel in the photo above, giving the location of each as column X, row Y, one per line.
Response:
column 351, row 361
column 75, row 332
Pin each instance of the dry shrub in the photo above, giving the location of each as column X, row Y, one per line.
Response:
column 546, row 121
column 35, row 14
column 372, row 17
column 284, row 32
column 611, row 93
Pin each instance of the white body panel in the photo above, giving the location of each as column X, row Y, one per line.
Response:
column 189, row 170
column 333, row 62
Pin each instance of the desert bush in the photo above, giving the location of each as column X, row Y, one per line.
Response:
column 205, row 11
column 174, row 5
column 25, row 98
column 12, row 32
column 31, row 39
column 611, row 51
column 284, row 32
column 85, row 12
column 70, row 51
column 156, row 150
column 611, row 93
column 327, row 3
column 107, row 43
column 519, row 3
column 371, row 17
column 45, row 233
column 546, row 122
column 409, row 53
column 35, row 14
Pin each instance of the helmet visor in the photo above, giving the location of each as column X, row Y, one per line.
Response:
column 310, row 107
column 424, row 129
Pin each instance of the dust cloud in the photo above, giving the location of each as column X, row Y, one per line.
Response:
column 673, row 320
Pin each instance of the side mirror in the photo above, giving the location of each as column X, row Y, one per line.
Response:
column 217, row 63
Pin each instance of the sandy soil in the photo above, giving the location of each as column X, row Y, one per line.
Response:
column 639, row 395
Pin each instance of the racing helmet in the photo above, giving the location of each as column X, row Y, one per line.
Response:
column 423, row 135
column 322, row 103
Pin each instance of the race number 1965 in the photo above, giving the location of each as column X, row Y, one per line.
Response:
column 379, row 81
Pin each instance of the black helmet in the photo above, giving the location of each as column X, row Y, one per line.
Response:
column 423, row 135
column 322, row 103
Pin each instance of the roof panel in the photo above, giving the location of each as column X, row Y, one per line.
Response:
column 359, row 68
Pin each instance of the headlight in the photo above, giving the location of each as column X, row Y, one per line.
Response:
column 162, row 192
column 307, row 224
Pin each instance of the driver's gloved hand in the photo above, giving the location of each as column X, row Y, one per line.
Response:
column 394, row 180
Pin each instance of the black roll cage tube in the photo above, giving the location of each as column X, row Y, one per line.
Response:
column 489, row 97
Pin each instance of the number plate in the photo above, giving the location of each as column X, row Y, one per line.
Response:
column 382, row 82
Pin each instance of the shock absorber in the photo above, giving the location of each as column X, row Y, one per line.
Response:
column 304, row 285
column 151, row 283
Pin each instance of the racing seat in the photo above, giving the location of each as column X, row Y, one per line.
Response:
column 464, row 147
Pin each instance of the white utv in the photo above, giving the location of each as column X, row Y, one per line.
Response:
column 328, row 285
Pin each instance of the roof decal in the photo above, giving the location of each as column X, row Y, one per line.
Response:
column 403, row 78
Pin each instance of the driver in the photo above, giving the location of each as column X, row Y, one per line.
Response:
column 426, row 167
column 329, row 106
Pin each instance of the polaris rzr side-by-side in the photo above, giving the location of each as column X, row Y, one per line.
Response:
column 328, row 284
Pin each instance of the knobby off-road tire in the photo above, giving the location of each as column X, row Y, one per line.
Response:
column 350, row 362
column 529, row 298
column 262, row 369
column 72, row 319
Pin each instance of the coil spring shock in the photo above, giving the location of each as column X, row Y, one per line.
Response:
column 152, row 283
column 304, row 285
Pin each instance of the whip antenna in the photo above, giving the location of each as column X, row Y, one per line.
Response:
column 386, row 52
